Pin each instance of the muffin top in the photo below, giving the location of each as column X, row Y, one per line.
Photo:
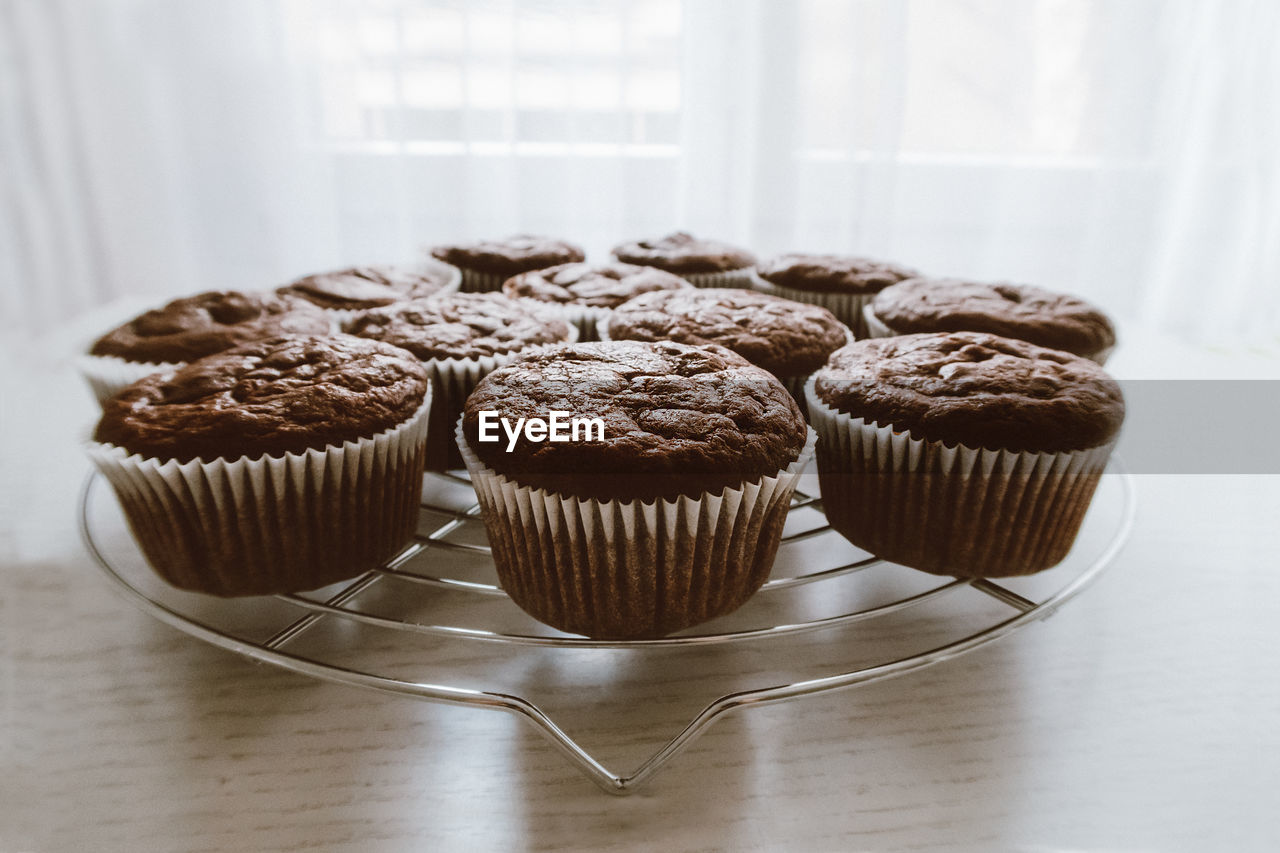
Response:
column 832, row 273
column 358, row 288
column 975, row 389
column 1014, row 311
column 591, row 285
column 460, row 325
column 279, row 395
column 678, row 419
column 200, row 325
column 515, row 254
column 683, row 253
column 785, row 338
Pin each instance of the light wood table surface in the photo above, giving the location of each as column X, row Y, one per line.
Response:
column 1143, row 717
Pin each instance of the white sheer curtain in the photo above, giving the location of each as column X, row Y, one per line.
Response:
column 1126, row 151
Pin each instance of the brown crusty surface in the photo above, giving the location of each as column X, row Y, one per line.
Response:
column 678, row 419
column 273, row 396
column 357, row 288
column 515, row 254
column 975, row 389
column 681, row 252
column 200, row 325
column 591, row 285
column 785, row 338
column 832, row 273
column 1028, row 313
column 460, row 325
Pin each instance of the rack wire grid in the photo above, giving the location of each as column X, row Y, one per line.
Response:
column 432, row 623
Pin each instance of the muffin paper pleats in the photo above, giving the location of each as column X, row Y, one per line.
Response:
column 107, row 374
column 585, row 318
column 846, row 306
column 273, row 524
column 617, row 570
column 956, row 510
column 728, row 278
column 482, row 282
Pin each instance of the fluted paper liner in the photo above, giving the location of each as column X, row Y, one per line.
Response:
column 619, row 570
column 846, row 306
column 741, row 277
column 273, row 524
column 877, row 329
column 107, row 374
column 961, row 511
column 727, row 278
column 453, row 380
column 482, row 282
column 585, row 318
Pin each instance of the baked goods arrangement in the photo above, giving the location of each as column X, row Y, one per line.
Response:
column 634, row 429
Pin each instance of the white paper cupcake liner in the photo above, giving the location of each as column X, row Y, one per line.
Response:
column 482, row 282
column 585, row 318
column 961, row 511
column 107, row 374
column 614, row 569
column 741, row 277
column 273, row 524
column 877, row 329
column 846, row 306
column 729, row 278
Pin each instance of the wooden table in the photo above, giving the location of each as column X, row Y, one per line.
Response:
column 1144, row 716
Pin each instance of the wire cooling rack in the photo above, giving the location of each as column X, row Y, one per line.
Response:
column 432, row 623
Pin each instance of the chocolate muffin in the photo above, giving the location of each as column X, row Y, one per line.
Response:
column 281, row 465
column 190, row 328
column 788, row 339
column 459, row 338
column 842, row 283
column 361, row 288
column 584, row 294
column 486, row 264
column 1054, row 320
column 962, row 454
column 670, row 515
column 704, row 263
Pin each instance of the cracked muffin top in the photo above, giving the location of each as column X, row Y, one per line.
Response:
column 1042, row 317
column 832, row 273
column 511, row 255
column 461, row 325
column 358, row 288
column 785, row 338
column 681, row 252
column 279, row 395
column 207, row 323
column 678, row 419
column 591, row 285
column 975, row 389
